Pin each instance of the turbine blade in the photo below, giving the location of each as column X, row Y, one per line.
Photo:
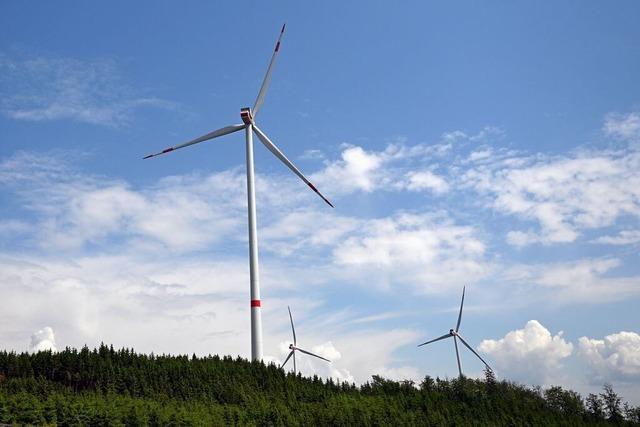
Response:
column 267, row 77
column 286, row 360
column 276, row 151
column 474, row 352
column 455, row 341
column 293, row 329
column 460, row 314
column 216, row 133
column 434, row 340
column 314, row 355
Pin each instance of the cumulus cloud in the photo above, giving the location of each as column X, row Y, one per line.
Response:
column 531, row 354
column 356, row 170
column 614, row 358
column 49, row 88
column 426, row 180
column 42, row 340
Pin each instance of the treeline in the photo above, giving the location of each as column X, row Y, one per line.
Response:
column 107, row 387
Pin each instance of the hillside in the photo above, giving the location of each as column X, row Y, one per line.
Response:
column 104, row 387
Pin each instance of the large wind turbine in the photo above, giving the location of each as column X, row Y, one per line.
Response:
column 294, row 347
column 456, row 336
column 248, row 124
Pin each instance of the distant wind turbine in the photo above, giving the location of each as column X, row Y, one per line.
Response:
column 294, row 347
column 456, row 336
column 248, row 118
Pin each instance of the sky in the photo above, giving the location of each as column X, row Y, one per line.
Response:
column 489, row 145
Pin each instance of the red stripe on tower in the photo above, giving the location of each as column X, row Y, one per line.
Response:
column 255, row 303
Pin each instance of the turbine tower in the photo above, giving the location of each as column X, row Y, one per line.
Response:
column 248, row 116
column 456, row 335
column 294, row 347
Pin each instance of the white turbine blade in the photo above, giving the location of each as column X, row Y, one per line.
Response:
column 286, row 360
column 455, row 341
column 216, row 133
column 434, row 340
column 460, row 315
column 276, row 151
column 474, row 352
column 314, row 355
column 293, row 329
column 267, row 77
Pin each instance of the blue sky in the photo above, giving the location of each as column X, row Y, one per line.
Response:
column 489, row 145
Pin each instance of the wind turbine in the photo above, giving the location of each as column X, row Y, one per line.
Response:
column 456, row 336
column 248, row 116
column 294, row 347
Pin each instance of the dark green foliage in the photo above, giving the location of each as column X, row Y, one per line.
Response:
column 612, row 403
column 107, row 387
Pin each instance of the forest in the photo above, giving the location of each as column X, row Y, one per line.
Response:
column 108, row 387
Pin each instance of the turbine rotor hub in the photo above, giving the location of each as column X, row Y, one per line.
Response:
column 452, row 332
column 291, row 347
column 246, row 116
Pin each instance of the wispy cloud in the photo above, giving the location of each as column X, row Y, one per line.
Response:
column 53, row 88
column 625, row 126
column 589, row 279
column 625, row 237
column 565, row 195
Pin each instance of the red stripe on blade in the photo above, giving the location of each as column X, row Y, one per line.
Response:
column 277, row 46
column 313, row 187
column 255, row 303
column 167, row 150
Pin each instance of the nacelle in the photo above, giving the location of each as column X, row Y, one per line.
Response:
column 246, row 116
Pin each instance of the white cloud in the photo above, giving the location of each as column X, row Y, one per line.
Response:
column 625, row 237
column 426, row 180
column 74, row 210
column 423, row 250
column 42, row 340
column 522, row 238
column 389, row 169
column 530, row 354
column 616, row 357
column 357, row 170
column 624, row 126
column 564, row 195
column 305, row 230
column 372, row 351
column 47, row 88
column 577, row 281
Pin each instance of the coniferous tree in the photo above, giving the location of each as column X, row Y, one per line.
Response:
column 105, row 386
